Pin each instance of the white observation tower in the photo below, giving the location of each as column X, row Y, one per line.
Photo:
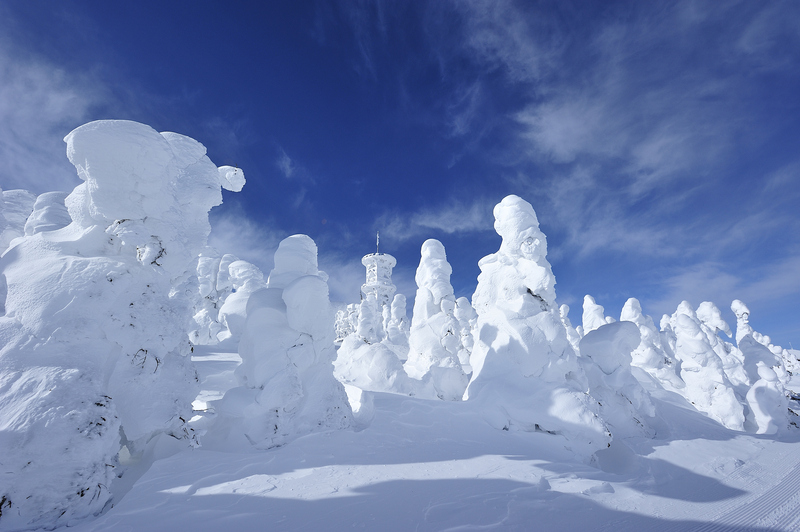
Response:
column 379, row 276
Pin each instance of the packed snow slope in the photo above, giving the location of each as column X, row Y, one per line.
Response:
column 434, row 465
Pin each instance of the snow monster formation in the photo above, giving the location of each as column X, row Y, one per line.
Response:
column 525, row 374
column 435, row 339
column 707, row 386
column 650, row 354
column 95, row 355
column 763, row 364
column 287, row 387
column 225, row 284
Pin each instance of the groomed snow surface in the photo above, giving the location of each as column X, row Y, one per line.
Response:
column 148, row 382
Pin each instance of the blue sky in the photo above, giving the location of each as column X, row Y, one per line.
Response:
column 659, row 142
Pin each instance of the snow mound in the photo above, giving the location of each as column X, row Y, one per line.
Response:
column 15, row 206
column 49, row 213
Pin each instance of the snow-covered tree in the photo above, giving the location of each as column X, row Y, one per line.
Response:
column 593, row 315
column 707, row 386
column 525, row 374
column 243, row 278
column 287, row 387
column 95, row 349
column 606, row 358
column 435, row 338
column 572, row 333
column 650, row 354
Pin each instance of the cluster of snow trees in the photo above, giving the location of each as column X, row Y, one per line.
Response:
column 104, row 291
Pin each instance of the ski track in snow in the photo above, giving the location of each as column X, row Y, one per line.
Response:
column 771, row 500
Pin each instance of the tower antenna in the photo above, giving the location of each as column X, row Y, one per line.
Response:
column 378, row 243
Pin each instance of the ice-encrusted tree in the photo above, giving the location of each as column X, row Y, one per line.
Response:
column 287, row 387
column 525, row 374
column 244, row 278
column 573, row 335
column 712, row 324
column 767, row 401
column 467, row 318
column 95, row 348
column 397, row 327
column 650, row 354
column 593, row 315
column 763, row 363
column 606, row 358
column 772, row 356
column 707, row 386
column 435, row 337
column 206, row 308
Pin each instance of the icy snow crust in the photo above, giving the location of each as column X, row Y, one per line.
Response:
column 472, row 415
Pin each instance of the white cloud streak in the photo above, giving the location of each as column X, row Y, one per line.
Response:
column 233, row 232
column 285, row 164
column 39, row 105
column 642, row 127
column 719, row 283
column 455, row 217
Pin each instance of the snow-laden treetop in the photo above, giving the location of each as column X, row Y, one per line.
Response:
column 159, row 183
column 524, row 247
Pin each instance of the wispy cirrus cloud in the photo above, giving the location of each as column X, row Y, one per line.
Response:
column 39, row 104
column 285, row 164
column 238, row 234
column 637, row 116
column 454, row 217
column 770, row 290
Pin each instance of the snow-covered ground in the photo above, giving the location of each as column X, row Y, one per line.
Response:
column 436, row 465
